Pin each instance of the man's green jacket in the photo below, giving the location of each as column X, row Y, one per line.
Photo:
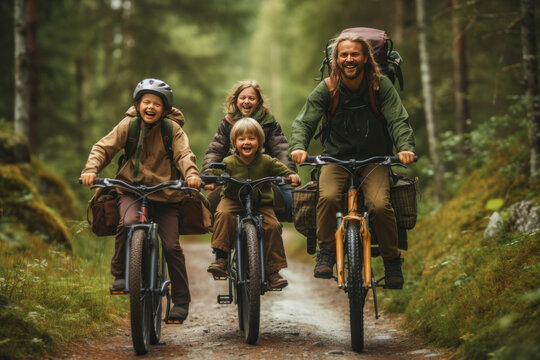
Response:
column 355, row 130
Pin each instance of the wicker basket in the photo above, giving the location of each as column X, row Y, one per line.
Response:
column 403, row 199
column 305, row 209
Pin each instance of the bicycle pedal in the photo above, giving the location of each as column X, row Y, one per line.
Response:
column 219, row 277
column 118, row 292
column 224, row 299
column 174, row 322
column 273, row 289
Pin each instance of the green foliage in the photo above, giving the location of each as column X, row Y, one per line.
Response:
column 52, row 293
column 23, row 205
column 464, row 292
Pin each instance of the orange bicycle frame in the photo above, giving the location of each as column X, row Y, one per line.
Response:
column 353, row 217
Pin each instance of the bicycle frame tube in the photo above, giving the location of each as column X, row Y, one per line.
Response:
column 239, row 250
column 260, row 230
column 154, row 255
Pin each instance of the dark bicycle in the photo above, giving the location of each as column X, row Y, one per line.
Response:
column 146, row 268
column 246, row 276
column 353, row 243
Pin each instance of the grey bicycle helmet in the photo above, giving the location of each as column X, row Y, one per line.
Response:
column 156, row 87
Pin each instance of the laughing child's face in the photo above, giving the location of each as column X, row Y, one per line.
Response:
column 247, row 145
column 150, row 108
column 247, row 101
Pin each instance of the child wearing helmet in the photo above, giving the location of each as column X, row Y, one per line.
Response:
column 153, row 100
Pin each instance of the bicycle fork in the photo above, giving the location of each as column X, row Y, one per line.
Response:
column 343, row 222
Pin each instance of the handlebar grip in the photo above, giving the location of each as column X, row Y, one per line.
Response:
column 395, row 159
column 80, row 180
column 311, row 159
column 287, row 180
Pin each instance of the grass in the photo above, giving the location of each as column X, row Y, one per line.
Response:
column 480, row 297
column 56, row 298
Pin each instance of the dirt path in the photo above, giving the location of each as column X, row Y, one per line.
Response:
column 309, row 319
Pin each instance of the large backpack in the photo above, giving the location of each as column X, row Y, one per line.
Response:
column 387, row 58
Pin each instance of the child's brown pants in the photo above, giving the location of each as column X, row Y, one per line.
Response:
column 224, row 228
column 166, row 216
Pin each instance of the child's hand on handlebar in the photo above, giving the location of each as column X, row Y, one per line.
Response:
column 194, row 181
column 88, row 179
column 295, row 179
column 210, row 187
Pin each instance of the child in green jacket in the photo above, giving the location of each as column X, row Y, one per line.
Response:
column 247, row 137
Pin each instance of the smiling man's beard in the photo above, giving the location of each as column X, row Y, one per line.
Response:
column 359, row 70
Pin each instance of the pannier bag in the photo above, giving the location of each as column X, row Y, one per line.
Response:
column 105, row 214
column 304, row 212
column 403, row 199
column 195, row 216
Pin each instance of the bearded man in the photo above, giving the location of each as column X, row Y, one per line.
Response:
column 355, row 131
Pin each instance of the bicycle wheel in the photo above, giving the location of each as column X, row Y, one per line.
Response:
column 157, row 300
column 355, row 288
column 250, row 290
column 140, row 300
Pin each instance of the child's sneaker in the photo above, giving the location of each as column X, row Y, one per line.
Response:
column 179, row 312
column 119, row 283
column 275, row 281
column 218, row 267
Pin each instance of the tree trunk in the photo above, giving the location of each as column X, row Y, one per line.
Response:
column 22, row 96
column 397, row 36
column 33, row 76
column 530, row 73
column 431, row 122
column 461, row 84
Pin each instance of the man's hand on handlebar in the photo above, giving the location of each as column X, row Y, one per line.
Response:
column 299, row 156
column 295, row 179
column 88, row 179
column 406, row 157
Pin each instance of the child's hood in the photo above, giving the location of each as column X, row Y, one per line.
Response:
column 174, row 114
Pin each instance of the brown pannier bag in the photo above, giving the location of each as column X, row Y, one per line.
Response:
column 195, row 216
column 403, row 200
column 105, row 214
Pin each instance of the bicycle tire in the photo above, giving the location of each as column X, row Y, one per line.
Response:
column 157, row 300
column 250, row 290
column 355, row 287
column 139, row 301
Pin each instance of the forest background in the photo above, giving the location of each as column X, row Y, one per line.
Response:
column 89, row 55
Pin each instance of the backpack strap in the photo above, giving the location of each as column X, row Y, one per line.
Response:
column 131, row 141
column 166, row 135
column 374, row 102
column 324, row 128
column 334, row 100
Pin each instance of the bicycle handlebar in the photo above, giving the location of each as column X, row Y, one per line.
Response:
column 320, row 160
column 224, row 178
column 140, row 189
